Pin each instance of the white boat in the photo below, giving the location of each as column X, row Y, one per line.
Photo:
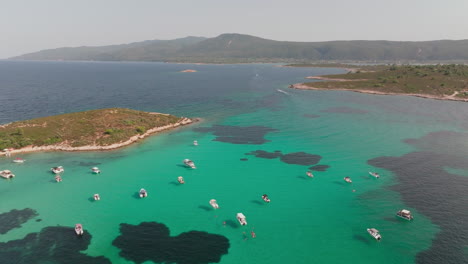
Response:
column 19, row 160
column 79, row 229
column 57, row 170
column 95, row 170
column 214, row 204
column 7, row 174
column 195, row 143
column 241, row 219
column 189, row 163
column 180, row 179
column 265, row 198
column 374, row 233
column 309, row 174
column 374, row 174
column 405, row 214
column 97, row 197
column 348, row 179
column 58, row 178
column 143, row 193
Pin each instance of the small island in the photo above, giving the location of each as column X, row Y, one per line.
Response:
column 102, row 129
column 188, row 70
column 443, row 82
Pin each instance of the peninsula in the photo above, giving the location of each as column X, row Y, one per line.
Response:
column 102, row 129
column 443, row 82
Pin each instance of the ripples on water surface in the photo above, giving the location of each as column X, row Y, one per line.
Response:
column 417, row 145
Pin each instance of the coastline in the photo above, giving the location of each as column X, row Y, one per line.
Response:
column 302, row 86
column 63, row 147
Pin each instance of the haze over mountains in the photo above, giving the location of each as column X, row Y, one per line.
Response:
column 245, row 48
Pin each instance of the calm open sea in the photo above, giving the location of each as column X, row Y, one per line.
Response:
column 253, row 140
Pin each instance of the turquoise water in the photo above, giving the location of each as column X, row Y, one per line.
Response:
column 309, row 220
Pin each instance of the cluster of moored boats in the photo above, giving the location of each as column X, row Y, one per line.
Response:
column 405, row 214
column 241, row 218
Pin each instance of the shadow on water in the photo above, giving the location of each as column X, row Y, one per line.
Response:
column 231, row 224
column 174, row 183
column 341, row 183
column 256, row 202
column 136, row 195
column 151, row 241
column 204, row 207
column 303, row 177
column 392, row 219
column 362, row 238
column 50, row 245
column 91, row 199
column 15, row 218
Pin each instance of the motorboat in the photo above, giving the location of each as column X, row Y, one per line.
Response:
column 143, row 193
column 97, row 197
column 19, row 160
column 57, row 170
column 195, row 143
column 79, row 229
column 214, row 204
column 374, row 174
column 189, row 163
column 58, row 178
column 405, row 214
column 309, row 174
column 348, row 179
column 180, row 179
column 7, row 174
column 241, row 219
column 265, row 198
column 374, row 233
column 95, row 170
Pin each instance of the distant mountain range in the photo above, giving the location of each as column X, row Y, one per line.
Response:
column 245, row 48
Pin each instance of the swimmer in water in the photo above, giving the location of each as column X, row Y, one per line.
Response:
column 253, row 234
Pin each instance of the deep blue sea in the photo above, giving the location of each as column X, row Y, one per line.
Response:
column 256, row 137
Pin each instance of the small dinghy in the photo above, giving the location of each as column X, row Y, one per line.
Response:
column 309, row 174
column 97, row 197
column 58, row 178
column 241, row 218
column 95, row 170
column 7, row 174
column 214, row 204
column 180, row 179
column 405, row 214
column 348, row 179
column 374, row 174
column 143, row 193
column 189, row 163
column 195, row 143
column 19, row 160
column 79, row 229
column 374, row 233
column 57, row 170
column 265, row 198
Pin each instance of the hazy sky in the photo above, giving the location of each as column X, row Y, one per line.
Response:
column 28, row 26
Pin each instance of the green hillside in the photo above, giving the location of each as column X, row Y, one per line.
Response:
column 95, row 127
column 245, row 48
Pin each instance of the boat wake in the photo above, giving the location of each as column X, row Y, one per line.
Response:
column 281, row 91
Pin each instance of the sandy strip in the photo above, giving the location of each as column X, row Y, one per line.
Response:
column 333, row 79
column 63, row 147
column 302, row 86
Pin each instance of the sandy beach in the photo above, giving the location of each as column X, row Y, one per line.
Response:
column 302, row 86
column 64, row 147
